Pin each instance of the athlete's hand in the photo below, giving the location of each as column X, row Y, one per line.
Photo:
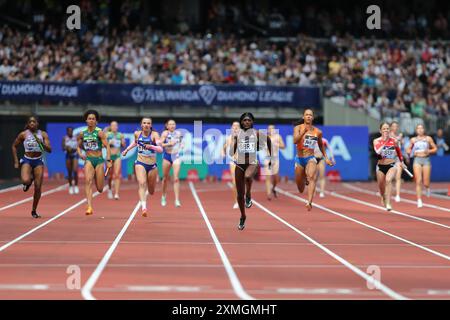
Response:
column 403, row 165
column 109, row 164
column 16, row 164
column 83, row 157
column 124, row 153
column 329, row 162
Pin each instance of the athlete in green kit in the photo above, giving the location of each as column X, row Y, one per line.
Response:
column 93, row 140
column 116, row 141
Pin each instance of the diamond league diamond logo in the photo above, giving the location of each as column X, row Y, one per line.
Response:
column 208, row 93
column 138, row 94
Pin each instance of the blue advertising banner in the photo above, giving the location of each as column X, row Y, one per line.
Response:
column 136, row 94
column 203, row 148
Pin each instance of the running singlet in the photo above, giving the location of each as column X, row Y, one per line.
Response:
column 114, row 139
column 30, row 144
column 390, row 149
column 72, row 143
column 420, row 146
column 247, row 146
column 317, row 151
column 142, row 142
column 308, row 144
column 91, row 140
column 173, row 136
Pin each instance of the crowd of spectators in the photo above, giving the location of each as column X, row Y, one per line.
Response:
column 382, row 77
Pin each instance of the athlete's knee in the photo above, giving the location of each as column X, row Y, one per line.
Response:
column 176, row 180
column 26, row 181
column 142, row 185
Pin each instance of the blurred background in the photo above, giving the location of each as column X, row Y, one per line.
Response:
column 211, row 60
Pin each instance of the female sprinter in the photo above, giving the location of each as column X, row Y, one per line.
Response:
column 225, row 152
column 421, row 147
column 245, row 146
column 148, row 144
column 398, row 137
column 35, row 142
column 387, row 150
column 321, row 165
column 171, row 142
column 93, row 139
column 306, row 137
column 69, row 145
column 116, row 141
column 272, row 176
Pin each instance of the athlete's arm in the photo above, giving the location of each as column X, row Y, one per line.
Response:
column 322, row 149
column 102, row 137
column 380, row 147
column 298, row 134
column 80, row 143
column 330, row 151
column 46, row 144
column 410, row 146
column 64, row 147
column 233, row 146
column 433, row 146
column 281, row 144
column 20, row 138
column 163, row 138
column 132, row 145
column 158, row 148
column 122, row 141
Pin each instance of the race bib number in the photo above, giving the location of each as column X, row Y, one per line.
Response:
column 115, row 143
column 310, row 142
column 388, row 153
column 91, row 145
column 246, row 147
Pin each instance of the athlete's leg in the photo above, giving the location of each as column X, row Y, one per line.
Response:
column 240, row 189
column 249, row 174
column 426, row 172
column 100, row 177
column 141, row 176
column 398, row 181
column 418, row 177
column 321, row 169
column 117, row 176
column 389, row 179
column 300, row 178
column 38, row 179
column 176, row 179
column 311, row 174
column 69, row 166
column 381, row 180
column 89, row 174
column 75, row 170
column 166, row 172
column 26, row 175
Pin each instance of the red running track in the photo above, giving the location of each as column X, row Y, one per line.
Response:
column 196, row 251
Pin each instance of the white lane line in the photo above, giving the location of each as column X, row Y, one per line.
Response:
column 317, row 291
column 368, row 204
column 31, row 198
column 436, row 253
column 373, row 193
column 90, row 283
column 195, row 265
column 189, row 243
column 374, row 282
column 10, row 243
column 433, row 195
column 438, row 292
column 235, row 283
column 164, row 289
column 17, row 187
column 23, row 287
